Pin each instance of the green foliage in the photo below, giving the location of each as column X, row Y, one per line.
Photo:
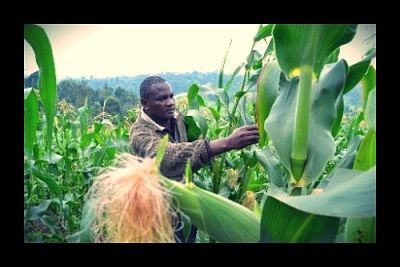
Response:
column 41, row 46
column 280, row 123
column 357, row 71
column 282, row 223
column 82, row 147
column 360, row 230
column 297, row 45
column 349, row 193
column 74, row 92
column 31, row 111
column 222, row 219
column 267, row 91
column 112, row 105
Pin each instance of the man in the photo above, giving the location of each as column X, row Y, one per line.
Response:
column 159, row 117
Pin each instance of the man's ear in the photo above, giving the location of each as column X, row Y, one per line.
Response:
column 143, row 101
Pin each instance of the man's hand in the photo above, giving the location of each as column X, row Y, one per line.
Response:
column 240, row 138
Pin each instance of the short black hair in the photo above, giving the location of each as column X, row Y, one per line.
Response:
column 145, row 86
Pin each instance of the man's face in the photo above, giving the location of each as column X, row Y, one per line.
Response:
column 160, row 103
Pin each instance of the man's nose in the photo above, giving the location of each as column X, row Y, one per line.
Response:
column 170, row 101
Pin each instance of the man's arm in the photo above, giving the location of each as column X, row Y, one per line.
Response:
column 240, row 138
column 145, row 142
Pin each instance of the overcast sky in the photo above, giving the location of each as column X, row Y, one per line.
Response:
column 113, row 50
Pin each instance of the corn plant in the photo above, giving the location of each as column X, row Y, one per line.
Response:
column 225, row 109
column 41, row 46
column 301, row 125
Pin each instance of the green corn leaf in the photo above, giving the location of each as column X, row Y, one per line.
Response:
column 31, row 113
column 368, row 83
column 254, row 59
column 210, row 90
column 86, row 139
column 348, row 159
column 228, row 84
column 302, row 50
column 192, row 96
column 267, row 92
column 263, row 32
column 214, row 113
column 297, row 45
column 280, row 122
column 283, row 223
column 188, row 172
column 41, row 46
column 161, row 150
column 193, row 131
column 349, row 193
column 88, row 215
column 246, row 117
column 200, row 100
column 221, row 70
column 333, row 57
column 49, row 181
column 240, row 94
column 271, row 165
column 222, row 219
column 339, row 115
column 358, row 70
column 201, row 122
column 366, row 154
column 270, row 49
column 370, row 111
column 360, row 230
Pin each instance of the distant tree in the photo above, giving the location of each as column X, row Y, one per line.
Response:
column 96, row 108
column 121, row 93
column 104, row 93
column 113, row 106
column 32, row 80
column 74, row 92
column 126, row 98
column 127, row 88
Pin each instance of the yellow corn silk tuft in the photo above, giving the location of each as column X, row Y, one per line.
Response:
column 249, row 200
column 294, row 73
column 65, row 107
column 232, row 178
column 130, row 203
column 363, row 125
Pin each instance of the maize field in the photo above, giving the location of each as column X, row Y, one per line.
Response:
column 311, row 178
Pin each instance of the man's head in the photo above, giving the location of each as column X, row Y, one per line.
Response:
column 157, row 98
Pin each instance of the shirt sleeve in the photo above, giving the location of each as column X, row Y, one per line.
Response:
column 145, row 142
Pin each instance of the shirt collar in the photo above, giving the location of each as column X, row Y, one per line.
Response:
column 146, row 118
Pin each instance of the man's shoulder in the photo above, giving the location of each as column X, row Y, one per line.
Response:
column 179, row 116
column 141, row 125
